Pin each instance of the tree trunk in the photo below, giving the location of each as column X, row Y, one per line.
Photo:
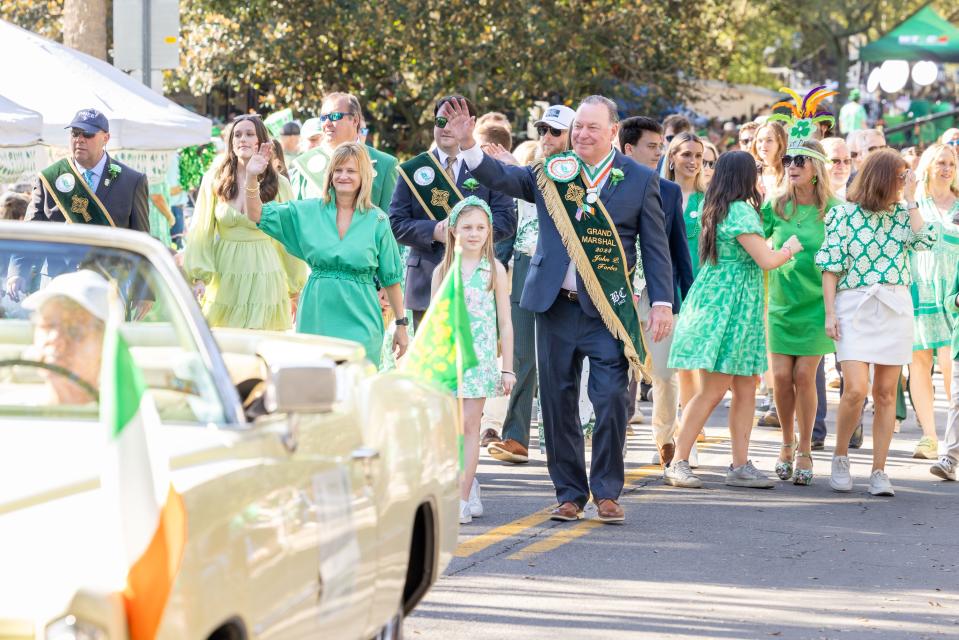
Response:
column 85, row 26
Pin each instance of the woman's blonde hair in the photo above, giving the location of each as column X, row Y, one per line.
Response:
column 347, row 150
column 487, row 250
column 526, row 152
column 822, row 188
column 782, row 140
column 924, row 170
column 699, row 184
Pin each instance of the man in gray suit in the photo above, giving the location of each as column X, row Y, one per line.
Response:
column 89, row 187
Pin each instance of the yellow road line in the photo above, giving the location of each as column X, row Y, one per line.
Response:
column 500, row 533
column 558, row 539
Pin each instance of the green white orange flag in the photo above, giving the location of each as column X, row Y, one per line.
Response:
column 136, row 481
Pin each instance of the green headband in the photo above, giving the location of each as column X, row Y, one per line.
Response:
column 469, row 201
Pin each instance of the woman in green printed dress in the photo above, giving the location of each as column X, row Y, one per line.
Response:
column 795, row 313
column 865, row 285
column 720, row 329
column 348, row 244
column 933, row 273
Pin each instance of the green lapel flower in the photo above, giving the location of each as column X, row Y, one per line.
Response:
column 616, row 175
column 471, row 184
column 113, row 170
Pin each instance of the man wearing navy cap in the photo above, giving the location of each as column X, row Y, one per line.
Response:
column 88, row 187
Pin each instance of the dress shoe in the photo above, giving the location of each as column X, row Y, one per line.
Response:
column 566, row 512
column 855, row 442
column 509, row 451
column 666, row 453
column 488, row 437
column 818, row 444
column 769, row 419
column 609, row 511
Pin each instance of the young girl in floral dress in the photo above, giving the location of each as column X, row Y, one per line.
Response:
column 470, row 224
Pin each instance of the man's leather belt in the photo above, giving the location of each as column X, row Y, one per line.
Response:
column 569, row 295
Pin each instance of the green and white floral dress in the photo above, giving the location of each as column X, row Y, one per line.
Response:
column 933, row 273
column 483, row 380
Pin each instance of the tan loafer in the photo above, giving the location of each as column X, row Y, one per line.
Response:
column 666, row 453
column 609, row 511
column 488, row 437
column 509, row 451
column 566, row 512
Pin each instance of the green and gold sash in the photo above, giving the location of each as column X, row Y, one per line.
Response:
column 594, row 245
column 312, row 165
column 431, row 186
column 73, row 195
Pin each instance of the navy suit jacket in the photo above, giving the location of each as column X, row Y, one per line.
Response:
column 672, row 196
column 413, row 228
column 635, row 207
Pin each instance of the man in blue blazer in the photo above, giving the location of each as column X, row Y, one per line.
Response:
column 426, row 236
column 641, row 139
column 568, row 325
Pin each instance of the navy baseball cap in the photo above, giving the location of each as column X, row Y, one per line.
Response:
column 90, row 121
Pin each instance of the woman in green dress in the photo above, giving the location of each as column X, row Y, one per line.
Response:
column 795, row 314
column 720, row 329
column 933, row 273
column 244, row 278
column 349, row 246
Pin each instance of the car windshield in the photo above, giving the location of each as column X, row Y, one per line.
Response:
column 55, row 300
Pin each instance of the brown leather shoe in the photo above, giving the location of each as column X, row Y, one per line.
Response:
column 566, row 512
column 666, row 453
column 609, row 511
column 488, row 437
column 509, row 451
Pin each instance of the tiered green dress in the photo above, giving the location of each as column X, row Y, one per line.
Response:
column 249, row 278
column 720, row 326
column 933, row 273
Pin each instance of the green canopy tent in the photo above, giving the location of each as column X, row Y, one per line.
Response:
column 923, row 36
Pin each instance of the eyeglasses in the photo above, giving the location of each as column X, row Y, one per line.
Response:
column 953, row 143
column 798, row 161
column 745, row 142
column 333, row 116
column 709, row 164
column 669, row 138
column 78, row 133
column 902, row 176
column 441, row 122
column 876, row 148
column 543, row 129
column 845, row 161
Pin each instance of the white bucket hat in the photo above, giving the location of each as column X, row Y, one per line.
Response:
column 87, row 288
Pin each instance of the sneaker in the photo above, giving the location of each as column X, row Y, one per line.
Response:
column 638, row 417
column 679, row 474
column 840, row 480
column 476, row 505
column 879, row 484
column 465, row 516
column 693, row 458
column 748, row 476
column 945, row 468
column 855, row 442
column 926, row 449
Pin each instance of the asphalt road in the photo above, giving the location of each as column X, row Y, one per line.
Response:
column 791, row 562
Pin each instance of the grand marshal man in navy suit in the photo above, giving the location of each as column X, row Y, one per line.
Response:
column 569, row 325
column 424, row 233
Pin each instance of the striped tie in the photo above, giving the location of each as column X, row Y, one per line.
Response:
column 450, row 161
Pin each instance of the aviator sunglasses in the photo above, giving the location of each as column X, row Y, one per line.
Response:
column 543, row 129
column 333, row 116
column 77, row 133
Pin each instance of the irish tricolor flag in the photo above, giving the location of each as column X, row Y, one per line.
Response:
column 136, row 479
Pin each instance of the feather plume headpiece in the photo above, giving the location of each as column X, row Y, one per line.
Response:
column 802, row 119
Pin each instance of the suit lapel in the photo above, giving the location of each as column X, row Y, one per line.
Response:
column 609, row 187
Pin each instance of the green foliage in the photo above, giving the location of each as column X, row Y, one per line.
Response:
column 40, row 16
column 194, row 161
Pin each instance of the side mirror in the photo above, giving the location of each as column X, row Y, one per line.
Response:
column 296, row 384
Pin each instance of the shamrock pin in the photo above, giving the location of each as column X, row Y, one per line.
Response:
column 802, row 129
column 471, row 184
column 616, row 175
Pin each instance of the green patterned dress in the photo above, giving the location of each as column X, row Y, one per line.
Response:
column 483, row 380
column 933, row 273
column 693, row 227
column 720, row 327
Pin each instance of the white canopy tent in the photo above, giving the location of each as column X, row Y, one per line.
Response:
column 62, row 81
column 20, row 131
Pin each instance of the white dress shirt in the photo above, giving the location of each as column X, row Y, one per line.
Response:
column 97, row 171
column 457, row 162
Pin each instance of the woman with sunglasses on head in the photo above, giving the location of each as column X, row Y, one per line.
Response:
column 245, row 280
column 933, row 273
column 768, row 147
column 869, row 310
column 795, row 312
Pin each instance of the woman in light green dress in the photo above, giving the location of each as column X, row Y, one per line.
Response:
column 161, row 221
column 349, row 246
column 933, row 273
column 244, row 278
column 720, row 329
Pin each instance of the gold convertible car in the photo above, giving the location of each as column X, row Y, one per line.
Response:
column 321, row 496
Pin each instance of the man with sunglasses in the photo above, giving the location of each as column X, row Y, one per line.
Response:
column 432, row 183
column 341, row 118
column 88, row 187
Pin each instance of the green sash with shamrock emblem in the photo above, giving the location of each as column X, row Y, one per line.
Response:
column 594, row 245
column 73, row 195
column 431, row 186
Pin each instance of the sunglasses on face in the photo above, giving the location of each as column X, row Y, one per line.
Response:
column 440, row 122
column 709, row 164
column 876, row 148
column 845, row 161
column 333, row 116
column 669, row 138
column 745, row 142
column 543, row 129
column 798, row 161
column 953, row 143
column 78, row 133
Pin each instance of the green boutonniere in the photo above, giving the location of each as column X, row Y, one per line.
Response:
column 113, row 170
column 471, row 184
column 616, row 175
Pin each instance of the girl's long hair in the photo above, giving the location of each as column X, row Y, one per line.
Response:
column 487, row 250
column 734, row 179
column 822, row 189
column 782, row 140
column 927, row 166
column 224, row 182
column 699, row 185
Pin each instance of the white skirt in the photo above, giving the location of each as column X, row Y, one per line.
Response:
column 875, row 324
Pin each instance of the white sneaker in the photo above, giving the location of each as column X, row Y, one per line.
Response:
column 840, row 480
column 879, row 484
column 476, row 505
column 678, row 474
column 693, row 458
column 465, row 516
column 945, row 468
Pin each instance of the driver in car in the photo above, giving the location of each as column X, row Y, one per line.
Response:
column 70, row 316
